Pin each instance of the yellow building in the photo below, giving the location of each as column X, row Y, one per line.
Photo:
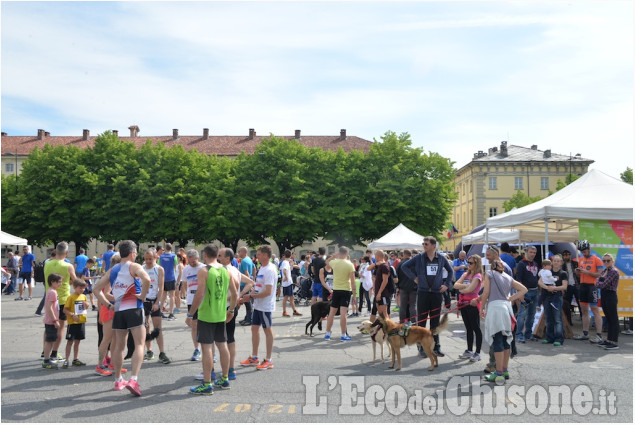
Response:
column 492, row 177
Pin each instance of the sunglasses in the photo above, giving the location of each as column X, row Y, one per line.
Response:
column 470, row 262
column 606, row 261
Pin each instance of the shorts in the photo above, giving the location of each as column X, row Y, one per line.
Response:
column 317, row 289
column 500, row 343
column 89, row 289
column 127, row 319
column 209, row 333
column 231, row 327
column 287, row 291
column 195, row 314
column 382, row 301
column 24, row 277
column 261, row 318
column 50, row 333
column 62, row 314
column 169, row 286
column 105, row 314
column 341, row 298
column 76, row 331
column 588, row 294
column 147, row 309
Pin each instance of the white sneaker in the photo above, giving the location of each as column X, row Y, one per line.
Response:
column 627, row 332
column 597, row 339
column 475, row 358
column 467, row 354
column 199, row 377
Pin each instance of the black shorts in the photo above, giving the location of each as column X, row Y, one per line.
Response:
column 50, row 333
column 169, row 286
column 147, row 309
column 588, row 294
column 62, row 314
column 382, row 301
column 231, row 327
column 26, row 277
column 287, row 291
column 209, row 333
column 127, row 319
column 89, row 289
column 76, row 332
column 340, row 298
column 195, row 314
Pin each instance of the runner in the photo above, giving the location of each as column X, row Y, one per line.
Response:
column 167, row 260
column 343, row 288
column 152, row 305
column 190, row 275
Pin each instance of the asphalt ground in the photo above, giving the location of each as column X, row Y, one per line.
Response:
column 314, row 380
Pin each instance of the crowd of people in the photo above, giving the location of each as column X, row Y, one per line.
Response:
column 133, row 299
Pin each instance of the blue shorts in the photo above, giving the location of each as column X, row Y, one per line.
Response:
column 500, row 343
column 287, row 291
column 261, row 318
column 317, row 289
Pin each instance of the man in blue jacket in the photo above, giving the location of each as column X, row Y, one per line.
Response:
column 426, row 270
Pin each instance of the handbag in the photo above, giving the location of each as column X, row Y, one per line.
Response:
column 511, row 315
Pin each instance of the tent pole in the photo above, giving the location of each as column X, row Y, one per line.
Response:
column 546, row 250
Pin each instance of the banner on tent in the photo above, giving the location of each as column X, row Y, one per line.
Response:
column 616, row 238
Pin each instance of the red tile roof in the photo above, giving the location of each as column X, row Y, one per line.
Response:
column 214, row 145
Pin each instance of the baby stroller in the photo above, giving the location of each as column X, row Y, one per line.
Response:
column 302, row 291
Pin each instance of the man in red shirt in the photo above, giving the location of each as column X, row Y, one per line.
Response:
column 589, row 268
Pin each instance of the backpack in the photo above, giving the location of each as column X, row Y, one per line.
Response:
column 390, row 287
column 38, row 272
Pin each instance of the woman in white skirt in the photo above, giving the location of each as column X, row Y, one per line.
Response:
column 498, row 321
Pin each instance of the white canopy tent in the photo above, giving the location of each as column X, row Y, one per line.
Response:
column 398, row 238
column 517, row 235
column 594, row 196
column 9, row 239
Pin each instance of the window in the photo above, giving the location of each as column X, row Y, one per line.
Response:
column 492, row 211
column 544, row 183
column 492, row 183
column 518, row 183
column 9, row 168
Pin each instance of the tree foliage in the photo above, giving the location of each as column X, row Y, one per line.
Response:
column 520, row 199
column 627, row 175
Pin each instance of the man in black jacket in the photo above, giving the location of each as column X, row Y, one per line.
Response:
column 407, row 291
column 572, row 288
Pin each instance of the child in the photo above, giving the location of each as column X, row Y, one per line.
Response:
column 75, row 309
column 86, row 274
column 545, row 273
column 51, row 319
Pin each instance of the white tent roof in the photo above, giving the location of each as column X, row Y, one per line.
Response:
column 398, row 238
column 8, row 239
column 594, row 196
column 514, row 235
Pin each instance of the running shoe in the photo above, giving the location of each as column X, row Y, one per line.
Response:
column 177, row 310
column 520, row 338
column 111, row 367
column 581, row 337
column 495, row 377
column 557, row 344
column 327, row 336
column 196, row 355
column 102, row 372
column 49, row 365
column 232, row 374
column 611, row 346
column 627, row 332
column 120, row 385
column 203, row 389
column 133, row 387
column 533, row 338
column 544, row 341
column 78, row 362
column 475, row 358
column 395, row 308
column 297, row 313
column 251, row 361
column 438, row 352
column 164, row 359
column 467, row 354
column 19, row 299
column 345, row 337
column 42, row 355
column 65, row 365
column 265, row 364
column 94, row 308
column 28, row 298
column 222, row 384
column 199, row 377
column 39, row 314
column 603, row 343
column 149, row 355
column 596, row 340
column 285, row 314
column 171, row 318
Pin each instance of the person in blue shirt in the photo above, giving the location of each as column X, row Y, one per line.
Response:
column 107, row 256
column 80, row 262
column 459, row 265
column 168, row 261
column 246, row 267
column 507, row 257
column 27, row 263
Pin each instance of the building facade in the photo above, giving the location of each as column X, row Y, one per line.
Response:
column 492, row 177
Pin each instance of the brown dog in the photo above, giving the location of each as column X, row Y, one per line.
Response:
column 415, row 334
column 366, row 327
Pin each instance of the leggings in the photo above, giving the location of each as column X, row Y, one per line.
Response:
column 472, row 322
column 363, row 293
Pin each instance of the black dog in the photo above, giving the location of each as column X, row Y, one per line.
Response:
column 319, row 311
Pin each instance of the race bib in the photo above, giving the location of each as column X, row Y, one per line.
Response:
column 80, row 310
column 432, row 269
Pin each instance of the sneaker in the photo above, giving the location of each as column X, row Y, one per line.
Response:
column 42, row 355
column 489, row 369
column 245, row 323
column 520, row 338
column 177, row 310
column 39, row 314
column 199, row 377
column 285, row 314
column 557, row 344
column 438, row 352
column 422, row 353
column 19, row 299
column 345, row 337
column 251, row 361
column 203, row 389
column 467, row 354
column 603, row 343
column 506, row 374
column 94, row 308
column 120, row 385
column 164, row 359
column 475, row 358
column 327, row 336
column 222, row 384
column 533, row 338
column 133, row 387
column 495, row 377
column 171, row 318
column 149, row 355
column 164, row 316
column 395, row 308
column 102, row 372
column 611, row 346
column 596, row 339
column 196, row 355
column 78, row 362
column 58, row 358
column 297, row 313
column 265, row 364
column 28, row 299
column 49, row 365
column 581, row 337
column 544, row 341
column 65, row 365
column 213, row 375
column 232, row 374
column 627, row 332
column 111, row 367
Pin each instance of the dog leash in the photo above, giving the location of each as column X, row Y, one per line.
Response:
column 436, row 315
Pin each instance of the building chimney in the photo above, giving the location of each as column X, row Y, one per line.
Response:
column 547, row 153
column 134, row 130
column 205, row 133
column 343, row 134
column 252, row 133
column 116, row 133
column 534, row 147
column 297, row 134
column 175, row 133
column 86, row 134
column 40, row 134
column 504, row 148
column 47, row 134
column 4, row 134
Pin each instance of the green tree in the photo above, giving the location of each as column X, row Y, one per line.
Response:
column 570, row 178
column 627, row 175
column 520, row 199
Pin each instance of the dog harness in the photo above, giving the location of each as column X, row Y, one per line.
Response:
column 403, row 332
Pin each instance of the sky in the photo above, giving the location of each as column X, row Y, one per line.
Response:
column 457, row 76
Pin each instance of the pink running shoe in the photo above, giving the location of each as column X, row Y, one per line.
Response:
column 133, row 387
column 120, row 385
